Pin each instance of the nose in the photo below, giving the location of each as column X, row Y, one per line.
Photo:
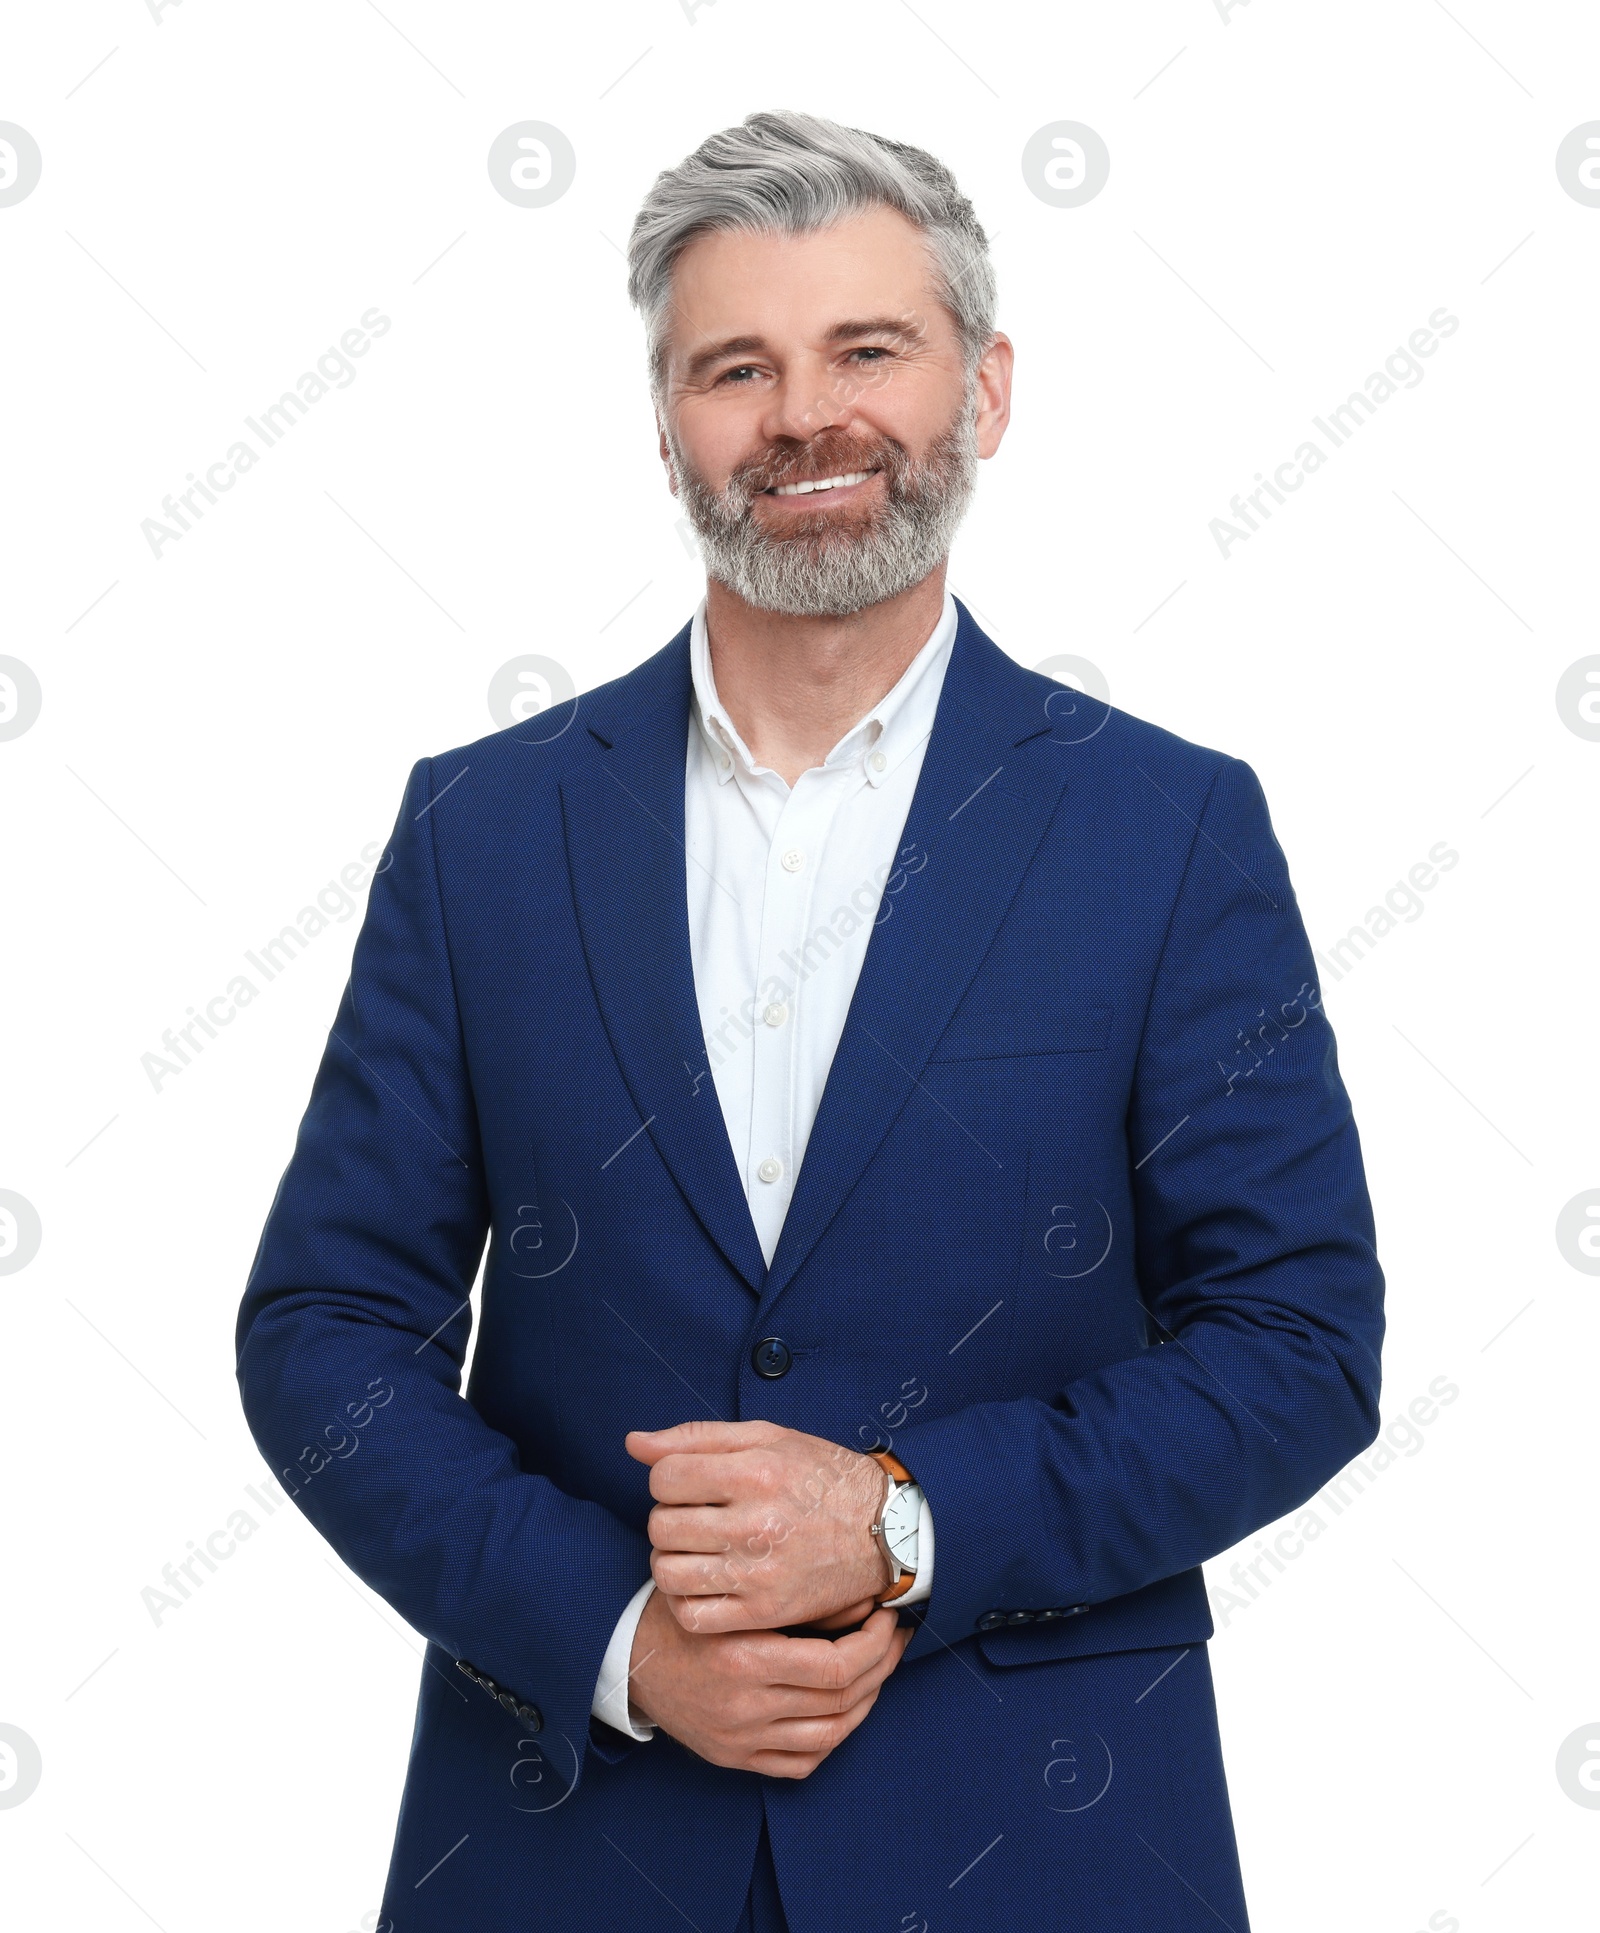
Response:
column 809, row 397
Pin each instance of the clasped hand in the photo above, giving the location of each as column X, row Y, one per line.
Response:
column 758, row 1528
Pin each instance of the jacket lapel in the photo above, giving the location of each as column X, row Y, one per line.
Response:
column 979, row 811
column 624, row 822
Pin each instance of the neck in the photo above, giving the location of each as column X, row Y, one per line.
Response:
column 794, row 686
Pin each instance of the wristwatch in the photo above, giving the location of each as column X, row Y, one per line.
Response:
column 896, row 1526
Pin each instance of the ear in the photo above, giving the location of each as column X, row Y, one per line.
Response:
column 666, row 459
column 994, row 394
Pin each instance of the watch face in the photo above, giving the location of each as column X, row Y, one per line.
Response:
column 900, row 1526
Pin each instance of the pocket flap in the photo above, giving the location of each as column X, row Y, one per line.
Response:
column 995, row 1035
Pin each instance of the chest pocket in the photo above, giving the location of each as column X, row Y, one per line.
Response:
column 998, row 1035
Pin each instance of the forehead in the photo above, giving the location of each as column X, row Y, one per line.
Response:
column 793, row 288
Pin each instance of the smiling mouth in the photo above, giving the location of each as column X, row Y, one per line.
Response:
column 815, row 486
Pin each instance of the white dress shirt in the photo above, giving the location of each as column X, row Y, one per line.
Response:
column 784, row 884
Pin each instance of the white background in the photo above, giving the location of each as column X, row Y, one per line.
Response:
column 1293, row 191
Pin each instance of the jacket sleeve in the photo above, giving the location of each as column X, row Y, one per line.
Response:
column 354, row 1326
column 1256, row 1261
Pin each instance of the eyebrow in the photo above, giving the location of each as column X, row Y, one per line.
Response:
column 704, row 359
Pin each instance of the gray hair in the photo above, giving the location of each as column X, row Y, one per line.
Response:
column 796, row 173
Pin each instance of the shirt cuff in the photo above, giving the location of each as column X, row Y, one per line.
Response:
column 610, row 1703
column 923, row 1588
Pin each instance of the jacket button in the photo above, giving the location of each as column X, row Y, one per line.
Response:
column 771, row 1357
column 1020, row 1617
column 533, row 1716
column 1053, row 1612
column 991, row 1620
column 1074, row 1609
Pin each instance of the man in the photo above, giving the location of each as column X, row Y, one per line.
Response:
column 924, row 1216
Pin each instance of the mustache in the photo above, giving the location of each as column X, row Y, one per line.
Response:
column 788, row 465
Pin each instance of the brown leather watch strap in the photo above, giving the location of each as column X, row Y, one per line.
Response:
column 897, row 1470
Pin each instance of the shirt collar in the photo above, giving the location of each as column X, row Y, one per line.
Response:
column 894, row 727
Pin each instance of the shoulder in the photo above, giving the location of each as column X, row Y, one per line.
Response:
column 1119, row 753
column 1135, row 789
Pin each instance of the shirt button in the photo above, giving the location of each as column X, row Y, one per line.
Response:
column 776, row 1014
column 723, row 760
column 793, row 860
column 877, row 761
column 770, row 1169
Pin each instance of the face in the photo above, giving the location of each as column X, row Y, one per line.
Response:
column 828, row 359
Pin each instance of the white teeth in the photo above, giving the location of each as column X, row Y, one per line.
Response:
column 822, row 483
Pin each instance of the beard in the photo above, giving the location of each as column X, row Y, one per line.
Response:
column 838, row 561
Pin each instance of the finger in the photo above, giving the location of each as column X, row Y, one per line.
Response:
column 852, row 1614
column 728, row 1535
column 709, row 1578
column 728, row 1589
column 700, row 1434
column 727, row 1592
column 817, row 1735
column 784, row 1765
column 717, row 1615
column 690, row 1527
column 706, row 1477
column 786, row 1701
column 831, row 1663
column 707, row 1617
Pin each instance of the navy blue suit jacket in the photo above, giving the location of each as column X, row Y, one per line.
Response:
column 1082, row 1233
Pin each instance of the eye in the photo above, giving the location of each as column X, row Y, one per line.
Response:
column 869, row 349
column 743, row 369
